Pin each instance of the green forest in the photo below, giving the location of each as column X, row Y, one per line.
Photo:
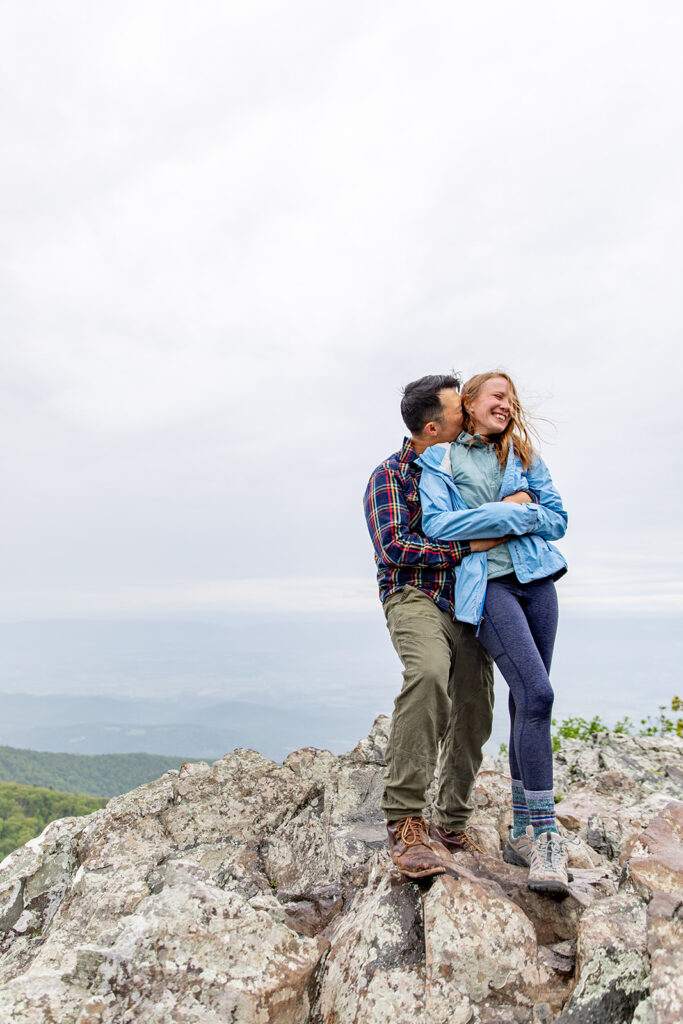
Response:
column 39, row 787
column 99, row 775
column 26, row 810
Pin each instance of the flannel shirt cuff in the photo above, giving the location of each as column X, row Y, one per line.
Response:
column 459, row 549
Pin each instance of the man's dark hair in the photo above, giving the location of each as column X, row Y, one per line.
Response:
column 421, row 402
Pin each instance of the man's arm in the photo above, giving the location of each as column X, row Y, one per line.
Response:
column 486, row 545
column 388, row 519
column 519, row 498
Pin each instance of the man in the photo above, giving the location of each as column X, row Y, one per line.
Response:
column 444, row 711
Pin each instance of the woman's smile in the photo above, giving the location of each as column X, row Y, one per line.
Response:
column 490, row 410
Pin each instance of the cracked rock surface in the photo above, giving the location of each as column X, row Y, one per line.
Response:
column 251, row 892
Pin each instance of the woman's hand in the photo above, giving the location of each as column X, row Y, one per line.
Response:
column 519, row 498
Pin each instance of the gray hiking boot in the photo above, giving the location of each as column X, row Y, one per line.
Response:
column 518, row 851
column 548, row 865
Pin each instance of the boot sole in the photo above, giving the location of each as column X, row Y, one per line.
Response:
column 421, row 874
column 551, row 888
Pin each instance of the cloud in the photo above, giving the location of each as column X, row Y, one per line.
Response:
column 232, row 238
column 601, row 592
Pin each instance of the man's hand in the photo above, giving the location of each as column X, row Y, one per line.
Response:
column 519, row 498
column 486, row 545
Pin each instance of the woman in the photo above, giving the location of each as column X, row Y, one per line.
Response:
column 491, row 483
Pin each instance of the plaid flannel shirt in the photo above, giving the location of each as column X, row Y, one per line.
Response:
column 404, row 556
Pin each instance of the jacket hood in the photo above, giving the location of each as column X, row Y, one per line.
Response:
column 438, row 458
column 471, row 440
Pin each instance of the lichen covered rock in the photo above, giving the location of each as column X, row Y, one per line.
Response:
column 249, row 891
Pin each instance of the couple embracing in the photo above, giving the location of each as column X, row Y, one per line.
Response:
column 461, row 519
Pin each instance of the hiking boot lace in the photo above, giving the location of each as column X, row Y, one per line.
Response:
column 555, row 848
column 468, row 842
column 413, row 831
column 548, row 855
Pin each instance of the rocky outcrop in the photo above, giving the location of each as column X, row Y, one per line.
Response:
column 252, row 892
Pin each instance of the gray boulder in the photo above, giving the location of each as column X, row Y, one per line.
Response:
column 248, row 891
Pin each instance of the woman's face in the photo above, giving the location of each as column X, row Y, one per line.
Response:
column 491, row 409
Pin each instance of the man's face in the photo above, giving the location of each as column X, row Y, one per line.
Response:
column 451, row 419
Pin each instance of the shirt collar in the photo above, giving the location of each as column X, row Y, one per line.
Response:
column 407, row 452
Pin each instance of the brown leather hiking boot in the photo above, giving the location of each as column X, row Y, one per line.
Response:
column 454, row 841
column 411, row 849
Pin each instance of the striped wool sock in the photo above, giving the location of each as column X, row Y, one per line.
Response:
column 520, row 810
column 541, row 810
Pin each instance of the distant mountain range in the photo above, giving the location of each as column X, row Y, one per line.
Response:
column 90, row 746
column 183, row 730
column 93, row 745
column 101, row 775
column 199, row 689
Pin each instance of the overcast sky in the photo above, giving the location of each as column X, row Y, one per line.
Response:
column 232, row 232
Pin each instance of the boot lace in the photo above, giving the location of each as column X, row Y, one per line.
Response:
column 466, row 840
column 548, row 854
column 558, row 846
column 413, row 831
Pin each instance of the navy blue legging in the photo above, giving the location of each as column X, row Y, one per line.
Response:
column 518, row 631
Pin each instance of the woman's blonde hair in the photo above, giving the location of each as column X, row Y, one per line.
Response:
column 519, row 430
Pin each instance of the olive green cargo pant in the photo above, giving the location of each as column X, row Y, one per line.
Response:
column 443, row 714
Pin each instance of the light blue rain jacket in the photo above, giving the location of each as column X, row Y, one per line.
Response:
column 445, row 516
